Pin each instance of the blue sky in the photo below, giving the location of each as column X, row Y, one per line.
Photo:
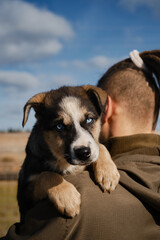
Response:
column 45, row 44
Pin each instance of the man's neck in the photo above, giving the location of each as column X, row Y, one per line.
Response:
column 123, row 126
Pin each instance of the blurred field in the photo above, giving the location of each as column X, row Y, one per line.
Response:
column 9, row 213
column 12, row 153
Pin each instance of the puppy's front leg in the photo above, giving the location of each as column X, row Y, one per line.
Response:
column 105, row 170
column 63, row 194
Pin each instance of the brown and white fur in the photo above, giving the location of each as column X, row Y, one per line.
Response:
column 64, row 140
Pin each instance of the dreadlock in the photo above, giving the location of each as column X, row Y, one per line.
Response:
column 136, row 88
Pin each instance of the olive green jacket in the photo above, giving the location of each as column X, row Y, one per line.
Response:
column 131, row 212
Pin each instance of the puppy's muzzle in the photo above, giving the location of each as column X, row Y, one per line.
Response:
column 82, row 153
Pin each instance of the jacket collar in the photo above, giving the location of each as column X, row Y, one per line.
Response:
column 125, row 144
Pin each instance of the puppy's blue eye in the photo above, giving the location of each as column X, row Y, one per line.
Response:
column 89, row 120
column 60, row 126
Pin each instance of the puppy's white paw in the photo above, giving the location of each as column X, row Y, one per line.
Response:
column 105, row 171
column 107, row 178
column 66, row 198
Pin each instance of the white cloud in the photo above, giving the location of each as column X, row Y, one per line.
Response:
column 131, row 5
column 99, row 62
column 62, row 80
column 28, row 33
column 79, row 64
column 17, row 80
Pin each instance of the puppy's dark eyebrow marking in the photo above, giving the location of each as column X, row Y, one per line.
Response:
column 56, row 121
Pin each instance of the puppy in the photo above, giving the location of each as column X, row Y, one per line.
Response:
column 64, row 140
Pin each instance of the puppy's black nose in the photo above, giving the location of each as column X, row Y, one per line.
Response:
column 82, row 153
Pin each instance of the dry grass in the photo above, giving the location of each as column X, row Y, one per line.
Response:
column 9, row 213
column 12, row 153
column 12, row 145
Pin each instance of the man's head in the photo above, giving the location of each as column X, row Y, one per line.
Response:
column 133, row 104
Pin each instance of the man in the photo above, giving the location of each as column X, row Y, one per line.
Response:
column 132, row 211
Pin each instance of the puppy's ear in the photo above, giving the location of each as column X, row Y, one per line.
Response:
column 97, row 96
column 36, row 102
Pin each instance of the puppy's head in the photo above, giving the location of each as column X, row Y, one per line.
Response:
column 70, row 119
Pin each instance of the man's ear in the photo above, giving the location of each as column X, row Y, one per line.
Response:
column 37, row 103
column 97, row 96
column 108, row 110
